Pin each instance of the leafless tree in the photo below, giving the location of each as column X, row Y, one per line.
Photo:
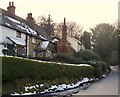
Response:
column 73, row 29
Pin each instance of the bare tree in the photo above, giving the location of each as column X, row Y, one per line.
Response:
column 73, row 29
column 46, row 23
column 58, row 30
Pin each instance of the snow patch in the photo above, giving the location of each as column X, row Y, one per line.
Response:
column 54, row 88
column 8, row 24
column 13, row 20
column 84, row 65
column 42, row 37
column 23, row 26
column 44, row 44
column 17, row 41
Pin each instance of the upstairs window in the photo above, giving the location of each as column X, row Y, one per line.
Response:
column 18, row 34
column 33, row 40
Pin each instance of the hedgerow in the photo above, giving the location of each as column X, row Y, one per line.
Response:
column 102, row 66
column 67, row 59
column 87, row 55
column 13, row 68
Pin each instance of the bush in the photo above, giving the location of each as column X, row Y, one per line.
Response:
column 5, row 51
column 21, row 55
column 102, row 65
column 13, row 68
column 114, row 58
column 99, row 64
column 87, row 55
column 67, row 59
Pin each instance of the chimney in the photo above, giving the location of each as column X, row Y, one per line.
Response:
column 11, row 8
column 64, row 31
column 29, row 17
column 63, row 44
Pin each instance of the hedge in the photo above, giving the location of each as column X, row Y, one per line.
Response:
column 67, row 59
column 87, row 55
column 102, row 66
column 13, row 68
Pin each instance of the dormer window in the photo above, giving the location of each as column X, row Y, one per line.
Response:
column 33, row 39
column 18, row 34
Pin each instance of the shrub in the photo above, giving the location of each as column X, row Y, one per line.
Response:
column 21, row 55
column 102, row 65
column 114, row 58
column 67, row 59
column 87, row 55
column 99, row 64
column 5, row 51
column 13, row 68
column 97, row 72
column 62, row 58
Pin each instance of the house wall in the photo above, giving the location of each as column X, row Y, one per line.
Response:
column 22, row 39
column 7, row 32
column 21, row 50
column 1, row 47
column 33, row 47
column 74, row 43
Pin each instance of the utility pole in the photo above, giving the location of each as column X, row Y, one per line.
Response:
column 26, row 41
column 119, row 47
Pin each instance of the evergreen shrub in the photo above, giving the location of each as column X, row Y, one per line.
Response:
column 13, row 68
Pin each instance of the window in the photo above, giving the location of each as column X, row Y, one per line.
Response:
column 33, row 53
column 5, row 46
column 18, row 34
column 33, row 40
column 40, row 54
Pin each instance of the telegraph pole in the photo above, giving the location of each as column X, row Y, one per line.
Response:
column 26, row 42
column 119, row 47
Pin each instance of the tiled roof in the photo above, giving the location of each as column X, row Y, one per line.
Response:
column 14, row 22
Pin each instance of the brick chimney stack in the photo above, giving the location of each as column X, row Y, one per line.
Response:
column 64, row 31
column 63, row 44
column 11, row 8
column 29, row 17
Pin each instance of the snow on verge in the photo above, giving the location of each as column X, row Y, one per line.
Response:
column 53, row 88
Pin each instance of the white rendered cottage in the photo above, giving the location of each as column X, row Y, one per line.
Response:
column 20, row 36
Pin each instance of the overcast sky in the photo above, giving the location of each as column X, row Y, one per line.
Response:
column 87, row 13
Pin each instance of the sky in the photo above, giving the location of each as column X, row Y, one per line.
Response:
column 86, row 13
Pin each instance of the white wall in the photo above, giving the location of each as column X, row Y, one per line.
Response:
column 74, row 43
column 28, row 46
column 7, row 32
column 1, row 47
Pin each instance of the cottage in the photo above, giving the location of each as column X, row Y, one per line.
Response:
column 67, row 44
column 22, row 37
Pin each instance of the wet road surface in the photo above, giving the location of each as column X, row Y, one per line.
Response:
column 106, row 86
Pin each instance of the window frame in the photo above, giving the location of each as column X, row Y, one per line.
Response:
column 18, row 34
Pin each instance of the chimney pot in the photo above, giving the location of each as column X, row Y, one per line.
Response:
column 30, row 13
column 64, row 21
column 12, row 3
column 9, row 3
